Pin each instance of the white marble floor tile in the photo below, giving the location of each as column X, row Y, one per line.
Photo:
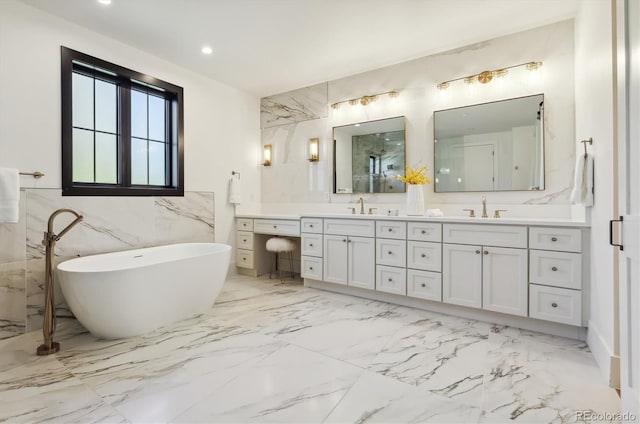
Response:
column 292, row 385
column 379, row 399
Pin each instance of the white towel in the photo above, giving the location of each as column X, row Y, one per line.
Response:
column 235, row 194
column 582, row 193
column 434, row 213
column 9, row 195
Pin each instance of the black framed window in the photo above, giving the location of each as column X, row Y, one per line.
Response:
column 122, row 131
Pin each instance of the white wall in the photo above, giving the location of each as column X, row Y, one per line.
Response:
column 222, row 128
column 594, row 118
column 416, row 81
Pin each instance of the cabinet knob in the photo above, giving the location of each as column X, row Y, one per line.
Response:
column 390, row 280
column 477, row 252
column 486, row 252
column 423, row 232
column 348, row 241
column 390, row 252
column 244, row 240
column 275, row 226
column 244, row 259
column 310, row 268
column 344, row 240
column 423, row 255
column 554, row 238
column 554, row 268
column 423, row 285
column 554, row 305
column 310, row 225
column 310, row 244
column 390, row 230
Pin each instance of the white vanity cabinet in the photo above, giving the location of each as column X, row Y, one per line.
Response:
column 391, row 257
column 349, row 255
column 491, row 274
column 311, row 248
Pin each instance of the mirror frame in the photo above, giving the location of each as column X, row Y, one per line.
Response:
column 333, row 138
column 544, row 147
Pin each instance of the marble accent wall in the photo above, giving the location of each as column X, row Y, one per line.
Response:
column 294, row 106
column 110, row 224
column 291, row 179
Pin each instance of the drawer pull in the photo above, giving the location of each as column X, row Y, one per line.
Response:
column 554, row 268
column 391, row 280
column 310, row 268
column 423, row 285
column 344, row 240
column 423, row 232
column 310, row 225
column 244, row 240
column 554, row 238
column 554, row 305
column 486, row 252
column 310, row 244
column 244, row 259
column 477, row 252
column 390, row 252
column 390, row 230
column 423, row 255
column 275, row 226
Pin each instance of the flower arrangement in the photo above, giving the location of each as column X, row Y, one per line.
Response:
column 414, row 176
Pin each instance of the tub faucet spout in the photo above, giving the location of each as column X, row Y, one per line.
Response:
column 49, row 319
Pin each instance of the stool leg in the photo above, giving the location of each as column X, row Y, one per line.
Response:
column 274, row 264
column 293, row 272
column 281, row 274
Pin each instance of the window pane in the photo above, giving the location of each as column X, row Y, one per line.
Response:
column 156, row 163
column 156, row 118
column 82, row 101
column 106, row 159
column 138, row 161
column 82, row 156
column 138, row 114
column 106, row 106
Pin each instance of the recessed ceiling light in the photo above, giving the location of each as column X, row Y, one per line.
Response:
column 105, row 2
column 207, row 50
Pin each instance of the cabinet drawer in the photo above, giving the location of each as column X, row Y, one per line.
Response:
column 486, row 235
column 311, row 225
column 556, row 269
column 244, row 224
column 391, row 229
column 285, row 227
column 244, row 240
column 424, row 255
column 311, row 267
column 312, row 244
column 565, row 239
column 391, row 252
column 423, row 231
column 424, row 285
column 244, row 258
column 350, row 227
column 554, row 304
column 391, row 280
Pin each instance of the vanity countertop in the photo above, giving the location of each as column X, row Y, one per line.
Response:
column 551, row 222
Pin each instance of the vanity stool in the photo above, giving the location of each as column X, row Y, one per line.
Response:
column 278, row 245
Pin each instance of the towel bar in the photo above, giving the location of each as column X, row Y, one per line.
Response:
column 36, row 174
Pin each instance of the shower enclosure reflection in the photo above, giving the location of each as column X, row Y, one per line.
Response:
column 368, row 156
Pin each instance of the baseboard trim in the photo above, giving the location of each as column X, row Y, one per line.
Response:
column 601, row 352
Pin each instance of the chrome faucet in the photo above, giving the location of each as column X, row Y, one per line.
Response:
column 49, row 319
column 484, row 207
column 361, row 201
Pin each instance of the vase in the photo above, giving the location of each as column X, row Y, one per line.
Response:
column 415, row 199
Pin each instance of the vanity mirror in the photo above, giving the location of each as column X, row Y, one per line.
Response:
column 496, row 146
column 368, row 156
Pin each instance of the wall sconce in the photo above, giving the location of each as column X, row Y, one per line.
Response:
column 485, row 77
column 314, row 149
column 266, row 155
column 365, row 100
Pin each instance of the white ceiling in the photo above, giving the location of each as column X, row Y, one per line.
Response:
column 272, row 46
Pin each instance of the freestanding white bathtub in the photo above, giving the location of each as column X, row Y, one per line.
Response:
column 123, row 294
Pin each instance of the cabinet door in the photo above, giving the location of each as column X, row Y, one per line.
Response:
column 335, row 259
column 462, row 275
column 362, row 256
column 504, row 280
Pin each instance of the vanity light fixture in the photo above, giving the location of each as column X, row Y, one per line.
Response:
column 266, row 155
column 105, row 2
column 365, row 100
column 206, row 50
column 485, row 77
column 314, row 149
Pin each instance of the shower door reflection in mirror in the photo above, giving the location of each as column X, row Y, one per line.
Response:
column 496, row 146
column 368, row 156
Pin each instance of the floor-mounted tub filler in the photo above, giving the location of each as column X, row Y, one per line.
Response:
column 123, row 294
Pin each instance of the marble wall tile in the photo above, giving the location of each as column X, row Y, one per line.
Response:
column 188, row 218
column 12, row 299
column 12, row 236
column 294, row 106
